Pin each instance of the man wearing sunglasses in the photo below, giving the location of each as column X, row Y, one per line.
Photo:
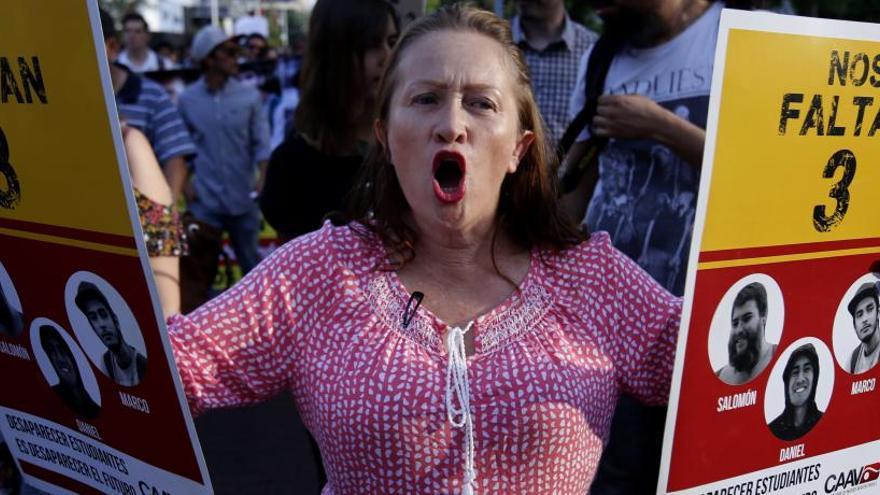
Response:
column 228, row 123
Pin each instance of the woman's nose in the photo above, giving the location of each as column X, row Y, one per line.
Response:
column 451, row 127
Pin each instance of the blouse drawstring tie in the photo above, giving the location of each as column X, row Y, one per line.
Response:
column 458, row 390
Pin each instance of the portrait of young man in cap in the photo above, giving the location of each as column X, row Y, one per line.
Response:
column 124, row 364
column 866, row 320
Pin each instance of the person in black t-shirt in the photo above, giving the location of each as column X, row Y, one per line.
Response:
column 310, row 173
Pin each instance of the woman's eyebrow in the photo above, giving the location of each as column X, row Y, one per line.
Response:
column 436, row 84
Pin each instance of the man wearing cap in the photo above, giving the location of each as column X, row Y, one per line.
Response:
column 228, row 122
column 866, row 320
column 124, row 364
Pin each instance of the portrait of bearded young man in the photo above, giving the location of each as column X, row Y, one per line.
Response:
column 748, row 351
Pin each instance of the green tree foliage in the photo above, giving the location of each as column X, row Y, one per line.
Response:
column 580, row 10
column 854, row 10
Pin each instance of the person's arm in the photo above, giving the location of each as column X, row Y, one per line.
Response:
column 172, row 143
column 260, row 141
column 261, row 179
column 246, row 344
column 638, row 117
column 147, row 177
column 177, row 173
column 575, row 202
column 645, row 319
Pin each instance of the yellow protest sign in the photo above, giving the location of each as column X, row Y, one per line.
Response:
column 775, row 385
column 58, row 136
column 782, row 122
column 85, row 406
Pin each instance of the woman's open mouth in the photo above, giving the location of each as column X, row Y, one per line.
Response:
column 448, row 169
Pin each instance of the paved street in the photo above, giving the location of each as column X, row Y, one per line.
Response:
column 260, row 450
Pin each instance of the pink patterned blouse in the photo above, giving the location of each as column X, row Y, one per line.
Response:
column 398, row 408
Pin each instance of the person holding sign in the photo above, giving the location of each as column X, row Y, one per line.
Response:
column 801, row 377
column 528, row 333
column 651, row 110
column 749, row 353
column 866, row 322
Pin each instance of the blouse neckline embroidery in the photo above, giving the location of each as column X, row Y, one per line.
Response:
column 513, row 318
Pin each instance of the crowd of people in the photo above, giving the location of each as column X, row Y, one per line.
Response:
column 435, row 258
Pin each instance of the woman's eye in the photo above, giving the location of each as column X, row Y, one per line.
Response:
column 425, row 99
column 482, row 104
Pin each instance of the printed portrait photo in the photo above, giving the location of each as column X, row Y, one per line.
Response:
column 11, row 315
column 746, row 329
column 799, row 388
column 66, row 370
column 857, row 326
column 106, row 328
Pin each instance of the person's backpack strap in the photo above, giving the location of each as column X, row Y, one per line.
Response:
column 597, row 71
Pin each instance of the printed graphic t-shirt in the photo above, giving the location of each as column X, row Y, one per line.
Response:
column 646, row 195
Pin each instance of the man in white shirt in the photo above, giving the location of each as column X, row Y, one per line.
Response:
column 137, row 54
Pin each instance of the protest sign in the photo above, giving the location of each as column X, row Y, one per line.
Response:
column 91, row 399
column 769, row 395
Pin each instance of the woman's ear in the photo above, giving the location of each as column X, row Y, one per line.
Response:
column 379, row 133
column 522, row 146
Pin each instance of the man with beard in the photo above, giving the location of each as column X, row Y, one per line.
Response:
column 124, row 364
column 801, row 378
column 655, row 93
column 70, row 384
column 866, row 320
column 748, row 352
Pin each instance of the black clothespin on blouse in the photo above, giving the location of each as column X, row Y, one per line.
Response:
column 410, row 310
